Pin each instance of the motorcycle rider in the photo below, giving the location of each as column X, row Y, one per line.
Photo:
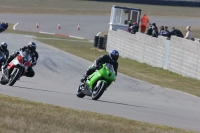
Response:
column 30, row 48
column 3, row 27
column 4, row 52
column 111, row 58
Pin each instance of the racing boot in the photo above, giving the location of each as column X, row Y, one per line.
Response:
column 84, row 78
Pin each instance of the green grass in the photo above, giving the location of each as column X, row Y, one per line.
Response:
column 19, row 115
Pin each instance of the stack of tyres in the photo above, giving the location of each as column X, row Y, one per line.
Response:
column 100, row 42
column 96, row 39
column 105, row 42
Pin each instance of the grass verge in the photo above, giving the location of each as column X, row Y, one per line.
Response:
column 23, row 116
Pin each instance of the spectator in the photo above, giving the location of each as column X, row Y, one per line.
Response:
column 188, row 33
column 134, row 28
column 161, row 31
column 154, row 32
column 149, row 31
column 154, row 24
column 166, row 32
column 129, row 26
column 172, row 32
column 178, row 33
column 144, row 21
column 175, row 32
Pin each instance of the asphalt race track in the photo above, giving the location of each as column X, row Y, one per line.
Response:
column 89, row 25
column 57, row 78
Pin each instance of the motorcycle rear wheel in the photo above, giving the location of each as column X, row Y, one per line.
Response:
column 79, row 91
column 98, row 90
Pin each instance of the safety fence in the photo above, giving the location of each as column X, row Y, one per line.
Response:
column 178, row 55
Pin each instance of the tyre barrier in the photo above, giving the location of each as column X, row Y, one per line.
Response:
column 105, row 42
column 100, row 42
column 96, row 39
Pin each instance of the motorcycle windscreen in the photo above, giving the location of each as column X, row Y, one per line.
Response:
column 26, row 58
column 110, row 67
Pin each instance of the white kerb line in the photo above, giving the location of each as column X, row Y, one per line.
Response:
column 15, row 26
column 46, row 33
column 76, row 37
column 98, row 34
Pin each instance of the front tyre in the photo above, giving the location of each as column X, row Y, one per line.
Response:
column 99, row 90
column 3, row 82
column 79, row 91
column 14, row 77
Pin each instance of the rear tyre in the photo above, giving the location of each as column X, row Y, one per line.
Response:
column 99, row 90
column 79, row 91
column 14, row 77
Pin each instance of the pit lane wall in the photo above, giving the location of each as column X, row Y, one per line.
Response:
column 177, row 55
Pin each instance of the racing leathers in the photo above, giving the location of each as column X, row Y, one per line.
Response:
column 3, row 55
column 34, row 55
column 98, row 64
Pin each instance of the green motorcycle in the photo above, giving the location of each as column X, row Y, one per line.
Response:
column 97, row 82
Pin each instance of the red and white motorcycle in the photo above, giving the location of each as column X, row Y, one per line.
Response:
column 16, row 68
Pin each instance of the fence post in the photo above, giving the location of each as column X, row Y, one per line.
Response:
column 166, row 54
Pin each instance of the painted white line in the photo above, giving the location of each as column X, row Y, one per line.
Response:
column 15, row 26
column 76, row 37
column 60, row 39
column 98, row 34
column 47, row 33
column 30, row 36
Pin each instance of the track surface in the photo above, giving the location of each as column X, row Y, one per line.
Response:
column 89, row 25
column 57, row 78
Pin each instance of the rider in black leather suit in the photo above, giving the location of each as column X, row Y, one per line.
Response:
column 32, row 49
column 111, row 58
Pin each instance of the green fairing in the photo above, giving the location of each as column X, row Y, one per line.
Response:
column 106, row 74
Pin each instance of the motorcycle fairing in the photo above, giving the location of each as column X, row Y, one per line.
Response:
column 106, row 74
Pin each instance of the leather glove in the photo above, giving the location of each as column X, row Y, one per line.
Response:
column 98, row 67
column 33, row 64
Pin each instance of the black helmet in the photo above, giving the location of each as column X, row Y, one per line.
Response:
column 32, row 46
column 4, row 46
column 114, row 55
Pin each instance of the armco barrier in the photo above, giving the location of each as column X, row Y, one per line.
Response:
column 178, row 55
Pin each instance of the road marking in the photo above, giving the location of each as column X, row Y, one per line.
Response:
column 46, row 33
column 61, row 35
column 76, row 37
column 15, row 26
column 30, row 36
column 98, row 34
column 60, row 39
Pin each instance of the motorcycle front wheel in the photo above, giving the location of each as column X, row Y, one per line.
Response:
column 14, row 77
column 98, row 90
column 79, row 91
